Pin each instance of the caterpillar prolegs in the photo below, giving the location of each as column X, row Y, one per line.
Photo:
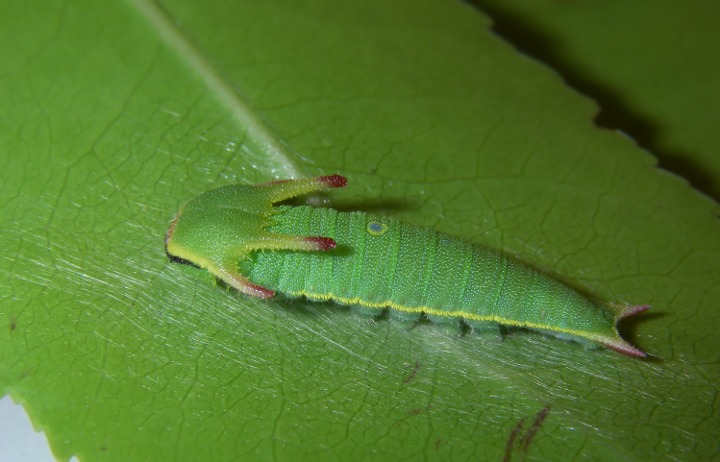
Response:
column 241, row 237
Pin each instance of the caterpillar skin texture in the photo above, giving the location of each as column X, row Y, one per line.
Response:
column 354, row 258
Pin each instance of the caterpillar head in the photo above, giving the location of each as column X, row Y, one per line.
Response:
column 219, row 228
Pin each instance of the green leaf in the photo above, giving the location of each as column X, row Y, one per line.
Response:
column 115, row 113
column 654, row 69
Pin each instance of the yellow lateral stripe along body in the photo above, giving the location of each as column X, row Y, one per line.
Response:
column 355, row 258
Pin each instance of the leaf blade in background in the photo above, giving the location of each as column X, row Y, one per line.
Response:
column 123, row 111
column 652, row 68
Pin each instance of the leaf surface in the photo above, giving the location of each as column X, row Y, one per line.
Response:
column 117, row 113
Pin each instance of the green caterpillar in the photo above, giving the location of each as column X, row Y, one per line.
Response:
column 355, row 258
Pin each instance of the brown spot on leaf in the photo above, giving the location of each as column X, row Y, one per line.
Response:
column 532, row 431
column 412, row 374
column 526, row 437
column 511, row 440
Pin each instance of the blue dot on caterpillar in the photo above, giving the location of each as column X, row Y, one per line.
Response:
column 376, row 228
